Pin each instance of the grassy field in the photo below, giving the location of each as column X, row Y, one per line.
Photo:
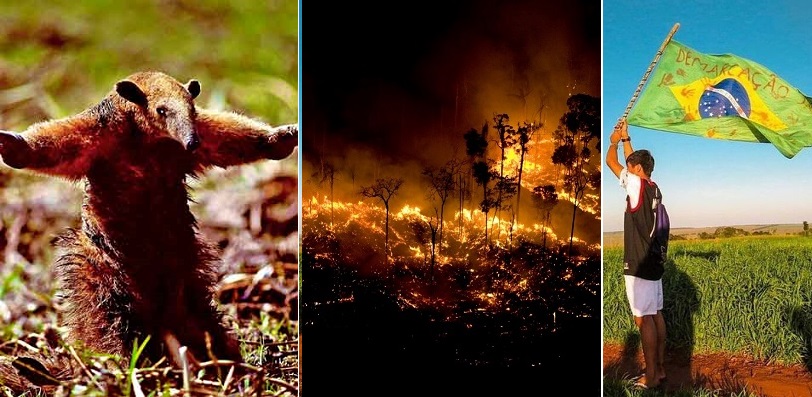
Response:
column 748, row 295
column 615, row 238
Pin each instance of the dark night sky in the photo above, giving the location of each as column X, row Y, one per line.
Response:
column 391, row 87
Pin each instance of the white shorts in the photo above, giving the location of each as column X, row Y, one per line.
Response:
column 645, row 296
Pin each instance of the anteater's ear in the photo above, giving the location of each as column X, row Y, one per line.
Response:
column 131, row 92
column 193, row 86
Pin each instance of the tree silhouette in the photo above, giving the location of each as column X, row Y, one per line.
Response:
column 383, row 189
column 462, row 186
column 476, row 145
column 483, row 176
column 546, row 199
column 441, row 183
column 433, row 227
column 420, row 231
column 425, row 232
column 577, row 127
column 351, row 170
column 327, row 173
column 506, row 138
column 524, row 134
column 506, row 187
column 806, row 228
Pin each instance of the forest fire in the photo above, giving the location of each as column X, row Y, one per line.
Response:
column 451, row 191
column 463, row 224
column 507, row 264
column 495, row 244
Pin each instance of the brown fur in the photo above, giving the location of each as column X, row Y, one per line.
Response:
column 137, row 266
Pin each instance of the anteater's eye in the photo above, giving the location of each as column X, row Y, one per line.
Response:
column 161, row 111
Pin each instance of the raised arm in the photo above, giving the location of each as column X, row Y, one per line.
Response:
column 611, row 154
column 63, row 147
column 230, row 139
column 625, row 139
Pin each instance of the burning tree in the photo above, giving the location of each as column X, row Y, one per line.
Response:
column 433, row 227
column 576, row 129
column 483, row 177
column 441, row 185
column 506, row 135
column 545, row 198
column 476, row 145
column 524, row 134
column 462, row 186
column 327, row 173
column 383, row 189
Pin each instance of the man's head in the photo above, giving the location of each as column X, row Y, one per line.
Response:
column 640, row 163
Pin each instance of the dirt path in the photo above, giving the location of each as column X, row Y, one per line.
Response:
column 713, row 372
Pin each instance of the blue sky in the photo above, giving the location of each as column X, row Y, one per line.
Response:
column 708, row 182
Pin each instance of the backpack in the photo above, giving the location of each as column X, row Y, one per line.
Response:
column 662, row 227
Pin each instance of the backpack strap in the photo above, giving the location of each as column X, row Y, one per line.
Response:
column 658, row 196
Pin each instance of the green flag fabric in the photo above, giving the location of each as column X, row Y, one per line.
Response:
column 723, row 97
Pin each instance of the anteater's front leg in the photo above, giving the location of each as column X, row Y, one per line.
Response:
column 14, row 149
column 64, row 147
column 231, row 139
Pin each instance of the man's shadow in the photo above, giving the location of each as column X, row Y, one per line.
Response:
column 800, row 319
column 680, row 304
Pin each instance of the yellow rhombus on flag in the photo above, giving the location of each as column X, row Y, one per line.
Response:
column 723, row 97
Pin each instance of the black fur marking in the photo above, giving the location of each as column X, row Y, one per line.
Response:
column 104, row 112
column 131, row 92
column 193, row 86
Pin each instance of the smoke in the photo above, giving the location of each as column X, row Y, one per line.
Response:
column 361, row 167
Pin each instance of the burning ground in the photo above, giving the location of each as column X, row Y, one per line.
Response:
column 476, row 305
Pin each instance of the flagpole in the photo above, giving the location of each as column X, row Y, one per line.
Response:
column 648, row 72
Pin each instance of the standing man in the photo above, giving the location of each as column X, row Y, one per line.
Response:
column 642, row 271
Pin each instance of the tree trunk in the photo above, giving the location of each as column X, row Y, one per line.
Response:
column 519, row 188
column 386, row 241
column 433, row 242
column 579, row 185
column 462, row 198
column 572, row 229
column 332, row 218
column 544, row 230
column 493, row 221
column 484, row 197
column 500, row 185
column 440, row 239
column 486, row 226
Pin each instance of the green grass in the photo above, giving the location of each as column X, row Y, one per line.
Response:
column 747, row 296
column 67, row 54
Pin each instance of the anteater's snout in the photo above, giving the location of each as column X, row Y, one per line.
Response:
column 193, row 142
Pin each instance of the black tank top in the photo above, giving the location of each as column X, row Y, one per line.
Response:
column 638, row 225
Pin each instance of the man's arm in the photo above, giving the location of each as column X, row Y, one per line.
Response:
column 625, row 138
column 611, row 154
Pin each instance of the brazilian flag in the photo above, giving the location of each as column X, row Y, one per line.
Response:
column 723, row 97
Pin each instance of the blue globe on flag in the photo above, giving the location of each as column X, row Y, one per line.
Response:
column 726, row 98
